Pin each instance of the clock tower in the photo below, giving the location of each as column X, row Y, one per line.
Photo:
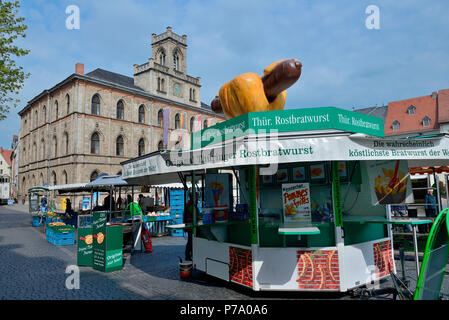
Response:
column 165, row 73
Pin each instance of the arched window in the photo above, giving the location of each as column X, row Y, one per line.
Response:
column 43, row 149
column 141, row 147
column 176, row 61
column 23, row 186
column 162, row 85
column 193, row 94
column 411, row 109
column 93, row 175
column 44, row 113
column 67, row 99
column 192, row 123
column 142, row 114
column 119, row 146
column 95, row 107
column 56, row 110
column 41, row 179
column 64, row 177
column 160, row 145
column 55, row 146
column 160, row 118
column 34, row 155
column 53, row 178
column 37, row 118
column 205, row 124
column 177, row 121
column 95, row 143
column 120, row 110
column 158, row 84
column 162, row 58
column 66, row 142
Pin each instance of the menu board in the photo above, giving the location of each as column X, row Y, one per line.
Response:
column 34, row 203
column 107, row 244
column 296, row 202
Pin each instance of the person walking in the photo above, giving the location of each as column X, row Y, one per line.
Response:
column 430, row 206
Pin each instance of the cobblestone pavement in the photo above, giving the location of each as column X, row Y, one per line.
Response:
column 32, row 268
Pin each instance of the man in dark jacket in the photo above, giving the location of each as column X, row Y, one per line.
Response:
column 188, row 218
column 430, row 206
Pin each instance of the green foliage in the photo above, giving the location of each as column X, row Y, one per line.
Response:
column 12, row 77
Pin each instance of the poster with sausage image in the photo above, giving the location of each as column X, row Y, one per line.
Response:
column 296, row 202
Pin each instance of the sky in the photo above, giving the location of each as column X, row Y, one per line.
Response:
column 345, row 64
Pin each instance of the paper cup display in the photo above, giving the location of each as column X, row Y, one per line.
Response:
column 387, row 195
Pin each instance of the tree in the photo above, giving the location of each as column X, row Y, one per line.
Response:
column 12, row 77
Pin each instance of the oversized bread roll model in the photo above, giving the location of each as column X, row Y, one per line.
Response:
column 250, row 92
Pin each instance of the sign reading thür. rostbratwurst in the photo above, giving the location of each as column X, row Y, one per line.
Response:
column 290, row 120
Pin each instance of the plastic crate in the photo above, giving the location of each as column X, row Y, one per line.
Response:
column 176, row 233
column 52, row 219
column 62, row 242
column 60, row 239
column 164, row 218
column 37, row 221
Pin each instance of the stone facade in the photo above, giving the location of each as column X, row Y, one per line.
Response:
column 59, row 127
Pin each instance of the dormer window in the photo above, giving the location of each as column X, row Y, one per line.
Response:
column 426, row 121
column 411, row 110
column 395, row 125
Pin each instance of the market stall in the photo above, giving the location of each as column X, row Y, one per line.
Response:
column 314, row 185
column 37, row 205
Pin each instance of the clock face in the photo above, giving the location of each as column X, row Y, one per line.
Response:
column 177, row 90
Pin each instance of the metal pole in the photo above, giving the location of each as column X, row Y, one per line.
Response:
column 437, row 182
column 194, row 203
column 415, row 243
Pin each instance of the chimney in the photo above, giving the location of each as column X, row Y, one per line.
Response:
column 79, row 68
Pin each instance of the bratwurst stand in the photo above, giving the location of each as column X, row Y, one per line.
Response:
column 338, row 234
column 312, row 188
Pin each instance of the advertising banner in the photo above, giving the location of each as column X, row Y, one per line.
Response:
column 296, row 203
column 290, row 150
column 99, row 243
column 166, row 125
column 389, row 182
column 216, row 192
column 85, row 246
column 290, row 120
column 107, row 244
